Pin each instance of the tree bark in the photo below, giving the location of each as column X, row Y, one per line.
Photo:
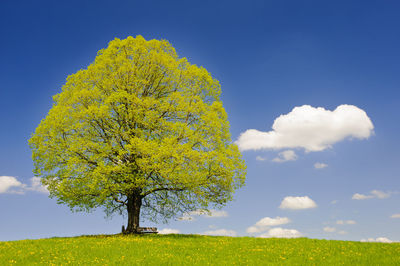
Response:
column 133, row 207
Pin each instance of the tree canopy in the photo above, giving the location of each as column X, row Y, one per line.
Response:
column 141, row 131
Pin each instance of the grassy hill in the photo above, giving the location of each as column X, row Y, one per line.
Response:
column 194, row 249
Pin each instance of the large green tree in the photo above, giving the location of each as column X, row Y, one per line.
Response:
column 140, row 131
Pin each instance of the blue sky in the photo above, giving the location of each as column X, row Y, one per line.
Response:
column 270, row 57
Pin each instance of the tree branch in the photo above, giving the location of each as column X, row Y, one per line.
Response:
column 117, row 200
column 163, row 189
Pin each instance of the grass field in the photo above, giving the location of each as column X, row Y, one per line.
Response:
column 194, row 250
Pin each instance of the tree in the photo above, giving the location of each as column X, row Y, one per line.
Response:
column 140, row 131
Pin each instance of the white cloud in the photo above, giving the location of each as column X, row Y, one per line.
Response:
column 186, row 217
column 320, row 165
column 281, row 233
column 220, row 232
column 341, row 222
column 358, row 196
column 380, row 194
column 334, row 201
column 190, row 216
column 265, row 223
column 297, row 203
column 374, row 194
column 208, row 214
column 383, row 240
column 285, row 156
column 397, row 215
column 378, row 239
column 216, row 214
column 10, row 184
column 259, row 158
column 168, row 231
column 342, row 232
column 254, row 229
column 310, row 128
column 329, row 229
column 37, row 186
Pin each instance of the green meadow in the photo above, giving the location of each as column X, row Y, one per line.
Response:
column 194, row 250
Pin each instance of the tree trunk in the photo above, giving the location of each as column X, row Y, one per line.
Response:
column 134, row 204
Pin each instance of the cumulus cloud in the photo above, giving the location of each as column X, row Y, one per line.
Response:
column 342, row 232
column 378, row 239
column 254, row 229
column 297, row 203
column 380, row 194
column 168, row 231
column 341, row 222
column 358, row 196
column 11, row 185
column 187, row 217
column 281, row 233
column 259, row 158
column 397, row 215
column 310, row 128
column 373, row 194
column 320, row 165
column 265, row 223
column 329, row 229
column 216, row 214
column 7, row 183
column 37, row 186
column 285, row 156
column 208, row 214
column 220, row 232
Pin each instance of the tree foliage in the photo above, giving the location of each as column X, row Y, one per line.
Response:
column 142, row 123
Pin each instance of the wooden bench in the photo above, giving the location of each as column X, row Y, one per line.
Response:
column 144, row 230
